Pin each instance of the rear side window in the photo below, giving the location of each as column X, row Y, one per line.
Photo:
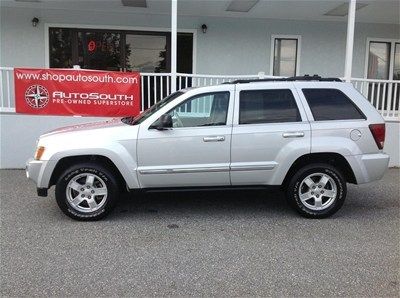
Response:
column 268, row 106
column 331, row 104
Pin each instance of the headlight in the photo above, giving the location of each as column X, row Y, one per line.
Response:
column 39, row 152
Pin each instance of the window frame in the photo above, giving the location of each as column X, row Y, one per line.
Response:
column 364, row 117
column 298, row 52
column 392, row 42
column 269, row 123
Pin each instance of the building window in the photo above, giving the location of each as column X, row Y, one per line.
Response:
column 267, row 106
column 383, row 60
column 100, row 50
column 60, row 48
column 383, row 63
column 379, row 60
column 118, row 50
column 285, row 55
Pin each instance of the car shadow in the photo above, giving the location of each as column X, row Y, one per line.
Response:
column 199, row 203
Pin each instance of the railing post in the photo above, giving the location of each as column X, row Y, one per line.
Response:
column 174, row 12
column 350, row 40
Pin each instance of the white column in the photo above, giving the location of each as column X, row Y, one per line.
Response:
column 174, row 12
column 351, row 18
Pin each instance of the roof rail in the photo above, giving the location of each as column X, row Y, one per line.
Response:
column 289, row 79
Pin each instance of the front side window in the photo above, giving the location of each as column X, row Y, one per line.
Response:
column 210, row 109
column 331, row 104
column 268, row 106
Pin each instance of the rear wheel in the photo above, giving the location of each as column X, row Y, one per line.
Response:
column 87, row 191
column 317, row 191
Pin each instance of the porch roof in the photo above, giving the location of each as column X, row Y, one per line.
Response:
column 371, row 11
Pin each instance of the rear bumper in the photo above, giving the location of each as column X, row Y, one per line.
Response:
column 369, row 167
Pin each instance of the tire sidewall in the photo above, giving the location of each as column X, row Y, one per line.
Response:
column 104, row 174
column 293, row 191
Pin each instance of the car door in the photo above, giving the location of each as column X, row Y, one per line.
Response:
column 270, row 132
column 196, row 150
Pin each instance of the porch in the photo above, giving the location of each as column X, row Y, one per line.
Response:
column 356, row 41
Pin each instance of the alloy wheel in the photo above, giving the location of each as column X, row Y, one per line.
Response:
column 86, row 192
column 317, row 191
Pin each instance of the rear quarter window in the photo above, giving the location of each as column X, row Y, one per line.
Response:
column 331, row 104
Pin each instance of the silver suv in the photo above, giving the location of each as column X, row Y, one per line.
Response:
column 308, row 135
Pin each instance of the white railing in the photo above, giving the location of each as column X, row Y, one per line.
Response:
column 383, row 94
column 156, row 86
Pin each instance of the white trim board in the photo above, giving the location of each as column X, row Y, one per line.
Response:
column 110, row 27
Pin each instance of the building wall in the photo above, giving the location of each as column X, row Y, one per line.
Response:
column 230, row 46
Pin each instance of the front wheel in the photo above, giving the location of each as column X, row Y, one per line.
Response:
column 317, row 191
column 87, row 191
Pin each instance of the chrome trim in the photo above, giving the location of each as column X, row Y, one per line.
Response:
column 184, row 170
column 252, row 168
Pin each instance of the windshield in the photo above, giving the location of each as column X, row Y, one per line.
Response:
column 133, row 120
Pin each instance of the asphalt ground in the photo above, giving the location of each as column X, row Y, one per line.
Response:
column 225, row 243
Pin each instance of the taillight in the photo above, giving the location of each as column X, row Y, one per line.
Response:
column 378, row 132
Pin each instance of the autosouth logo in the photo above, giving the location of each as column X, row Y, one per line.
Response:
column 37, row 96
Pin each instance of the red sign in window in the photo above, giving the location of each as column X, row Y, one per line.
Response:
column 91, row 46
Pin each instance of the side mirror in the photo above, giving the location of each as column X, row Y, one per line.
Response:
column 165, row 122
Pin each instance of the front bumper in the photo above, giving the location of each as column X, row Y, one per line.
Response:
column 36, row 171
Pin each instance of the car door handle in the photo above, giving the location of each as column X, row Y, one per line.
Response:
column 293, row 134
column 214, row 139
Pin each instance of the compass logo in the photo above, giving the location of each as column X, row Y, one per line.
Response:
column 37, row 96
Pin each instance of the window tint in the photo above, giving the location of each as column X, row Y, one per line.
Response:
column 208, row 109
column 331, row 104
column 267, row 106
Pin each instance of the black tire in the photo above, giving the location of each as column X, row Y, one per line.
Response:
column 104, row 176
column 298, row 181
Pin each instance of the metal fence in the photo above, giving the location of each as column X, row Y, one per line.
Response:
column 384, row 95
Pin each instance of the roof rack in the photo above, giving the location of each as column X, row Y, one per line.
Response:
column 290, row 79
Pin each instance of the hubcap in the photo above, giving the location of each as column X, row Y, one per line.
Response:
column 317, row 191
column 86, row 192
